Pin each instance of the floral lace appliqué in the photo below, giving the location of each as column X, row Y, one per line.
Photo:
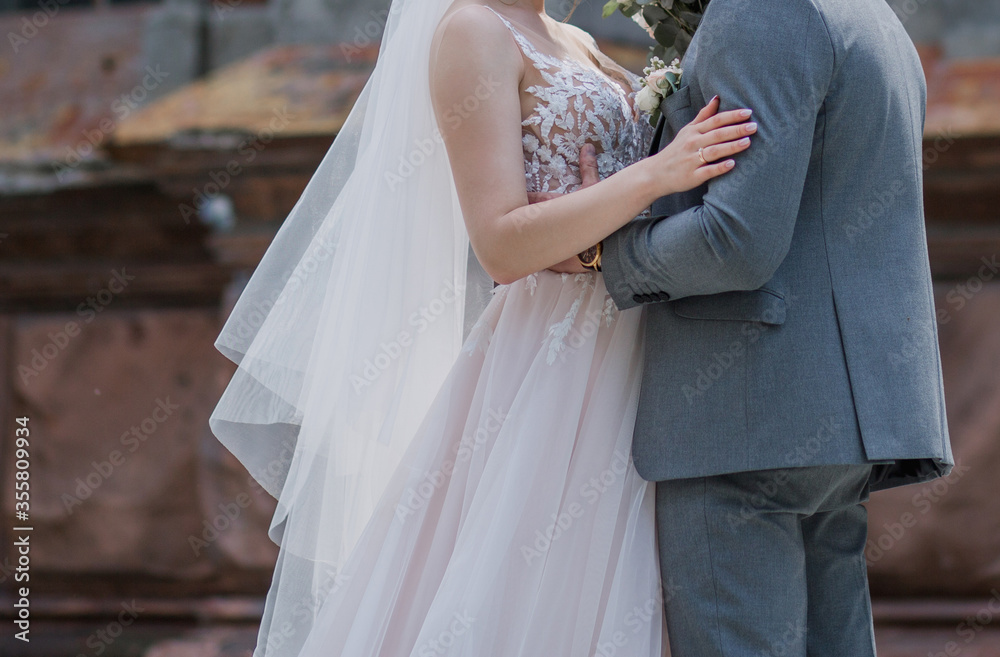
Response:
column 558, row 332
column 576, row 105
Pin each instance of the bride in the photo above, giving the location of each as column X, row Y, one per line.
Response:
column 444, row 495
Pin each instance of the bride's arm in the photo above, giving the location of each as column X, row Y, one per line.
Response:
column 476, row 69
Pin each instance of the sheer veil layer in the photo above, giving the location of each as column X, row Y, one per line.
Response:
column 349, row 326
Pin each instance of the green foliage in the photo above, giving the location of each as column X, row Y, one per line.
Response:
column 672, row 23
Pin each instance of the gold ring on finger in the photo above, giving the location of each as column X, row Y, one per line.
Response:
column 701, row 156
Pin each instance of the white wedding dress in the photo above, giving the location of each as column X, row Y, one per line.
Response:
column 516, row 525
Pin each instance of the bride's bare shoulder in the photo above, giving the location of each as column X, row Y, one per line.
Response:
column 471, row 23
column 471, row 37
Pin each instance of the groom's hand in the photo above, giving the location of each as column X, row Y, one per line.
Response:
column 588, row 176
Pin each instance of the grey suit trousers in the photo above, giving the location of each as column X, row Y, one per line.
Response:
column 751, row 560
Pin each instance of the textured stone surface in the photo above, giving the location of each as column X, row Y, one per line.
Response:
column 935, row 642
column 943, row 538
column 125, row 473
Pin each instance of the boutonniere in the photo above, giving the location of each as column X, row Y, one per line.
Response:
column 659, row 82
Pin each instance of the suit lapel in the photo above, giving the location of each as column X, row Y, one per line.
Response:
column 654, row 146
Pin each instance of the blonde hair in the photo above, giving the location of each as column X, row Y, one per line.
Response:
column 576, row 3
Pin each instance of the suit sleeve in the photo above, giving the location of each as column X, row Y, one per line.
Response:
column 775, row 57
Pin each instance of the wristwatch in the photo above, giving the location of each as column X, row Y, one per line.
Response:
column 591, row 258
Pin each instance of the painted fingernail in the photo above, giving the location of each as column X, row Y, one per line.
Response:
column 729, row 164
column 714, row 98
column 746, row 112
column 745, row 141
column 751, row 127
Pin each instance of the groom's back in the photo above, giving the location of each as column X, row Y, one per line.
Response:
column 874, row 114
column 871, row 205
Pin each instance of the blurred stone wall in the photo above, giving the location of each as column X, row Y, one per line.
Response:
column 190, row 37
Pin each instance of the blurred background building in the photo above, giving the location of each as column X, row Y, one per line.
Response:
column 148, row 153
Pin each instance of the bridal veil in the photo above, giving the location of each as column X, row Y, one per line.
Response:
column 349, row 325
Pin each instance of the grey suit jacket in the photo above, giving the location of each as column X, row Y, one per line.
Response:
column 791, row 320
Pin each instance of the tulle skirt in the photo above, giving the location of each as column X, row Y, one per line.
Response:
column 515, row 525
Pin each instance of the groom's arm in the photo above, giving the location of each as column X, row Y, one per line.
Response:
column 776, row 57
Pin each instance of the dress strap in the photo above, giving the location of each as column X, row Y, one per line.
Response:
column 540, row 59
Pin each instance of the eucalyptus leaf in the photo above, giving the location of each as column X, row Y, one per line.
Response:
column 673, row 29
column 666, row 34
column 654, row 14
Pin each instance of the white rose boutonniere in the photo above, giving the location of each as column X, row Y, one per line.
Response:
column 659, row 82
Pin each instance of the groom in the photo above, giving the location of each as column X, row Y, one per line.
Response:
column 791, row 361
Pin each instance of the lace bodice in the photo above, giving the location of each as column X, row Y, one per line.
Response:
column 577, row 104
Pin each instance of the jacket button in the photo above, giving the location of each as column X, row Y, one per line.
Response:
column 664, row 296
column 637, row 298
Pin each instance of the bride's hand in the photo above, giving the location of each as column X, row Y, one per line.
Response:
column 680, row 166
